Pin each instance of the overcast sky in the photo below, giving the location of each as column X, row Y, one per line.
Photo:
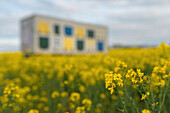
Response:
column 130, row 22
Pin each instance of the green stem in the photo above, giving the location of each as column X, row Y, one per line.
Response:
column 124, row 107
column 149, row 100
column 166, row 89
column 141, row 94
column 151, row 91
column 160, row 98
column 132, row 100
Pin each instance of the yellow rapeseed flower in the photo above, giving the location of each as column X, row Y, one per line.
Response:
column 87, row 103
column 145, row 111
column 75, row 97
column 55, row 94
column 33, row 111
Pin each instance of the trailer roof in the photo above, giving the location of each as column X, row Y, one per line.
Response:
column 50, row 17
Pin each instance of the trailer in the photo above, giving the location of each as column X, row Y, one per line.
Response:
column 48, row 35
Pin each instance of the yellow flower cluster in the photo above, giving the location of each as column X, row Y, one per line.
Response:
column 154, row 85
column 160, row 73
column 115, row 79
column 10, row 90
column 12, row 93
column 136, row 77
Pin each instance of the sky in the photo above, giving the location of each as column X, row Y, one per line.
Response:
column 130, row 22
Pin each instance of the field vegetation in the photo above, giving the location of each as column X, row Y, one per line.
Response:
column 127, row 80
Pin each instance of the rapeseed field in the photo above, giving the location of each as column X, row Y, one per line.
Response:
column 127, row 80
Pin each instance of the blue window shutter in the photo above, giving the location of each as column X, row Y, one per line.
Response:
column 68, row 31
column 100, row 46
